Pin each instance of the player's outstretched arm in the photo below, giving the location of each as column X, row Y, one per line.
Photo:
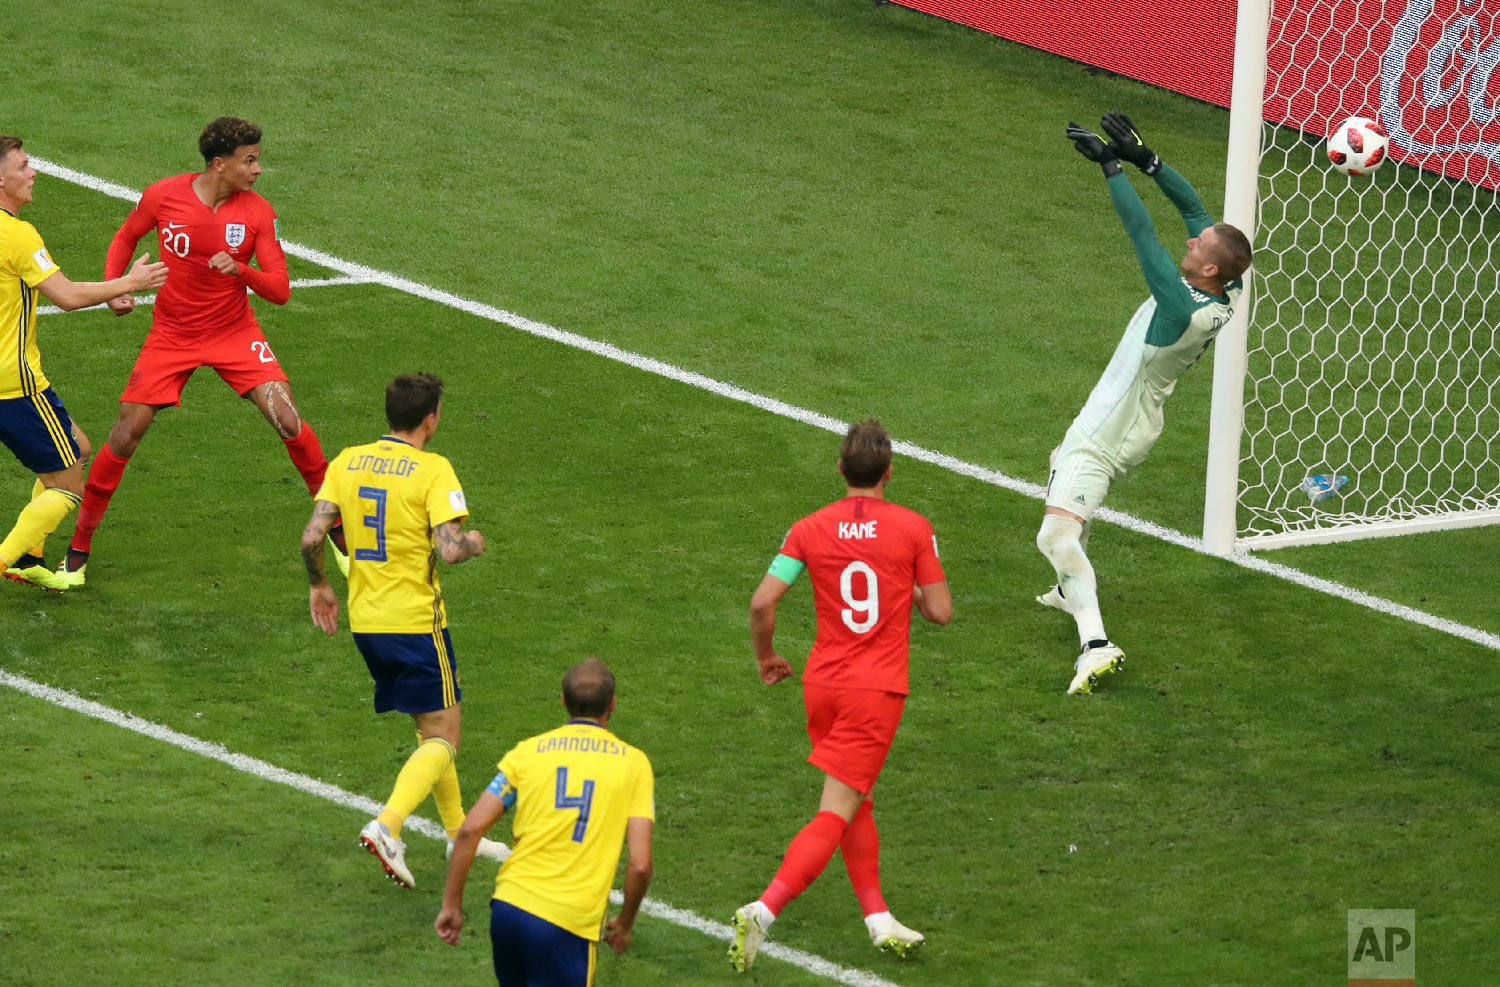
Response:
column 454, row 544
column 637, row 880
column 773, row 667
column 69, row 295
column 1093, row 147
column 450, row 919
column 1126, row 141
column 934, row 602
column 322, row 601
column 1125, row 138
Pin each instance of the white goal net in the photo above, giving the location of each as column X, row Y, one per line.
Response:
column 1371, row 395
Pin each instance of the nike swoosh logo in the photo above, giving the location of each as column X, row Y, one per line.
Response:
column 175, row 226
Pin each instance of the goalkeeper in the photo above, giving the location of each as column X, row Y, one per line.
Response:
column 1190, row 302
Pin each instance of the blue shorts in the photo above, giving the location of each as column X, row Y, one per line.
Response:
column 38, row 430
column 413, row 673
column 532, row 952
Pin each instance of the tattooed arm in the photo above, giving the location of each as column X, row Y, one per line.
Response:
column 454, row 544
column 321, row 599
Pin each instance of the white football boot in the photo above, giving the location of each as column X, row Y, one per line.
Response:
column 750, row 925
column 1054, row 598
column 390, row 851
column 1092, row 664
column 891, row 936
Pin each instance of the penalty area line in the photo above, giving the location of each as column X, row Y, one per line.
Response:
column 312, row 786
column 826, row 422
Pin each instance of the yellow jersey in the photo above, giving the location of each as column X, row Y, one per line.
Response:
column 391, row 495
column 573, row 788
column 24, row 264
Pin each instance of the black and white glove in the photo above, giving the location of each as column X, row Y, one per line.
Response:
column 1092, row 146
column 1126, row 141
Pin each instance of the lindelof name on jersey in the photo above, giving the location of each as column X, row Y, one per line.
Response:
column 857, row 529
column 586, row 745
column 383, row 465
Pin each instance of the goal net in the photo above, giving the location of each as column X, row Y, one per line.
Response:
column 1371, row 387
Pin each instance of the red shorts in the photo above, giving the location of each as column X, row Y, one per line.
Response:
column 239, row 354
column 851, row 731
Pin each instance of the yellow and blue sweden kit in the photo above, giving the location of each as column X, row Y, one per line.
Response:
column 33, row 423
column 391, row 495
column 572, row 789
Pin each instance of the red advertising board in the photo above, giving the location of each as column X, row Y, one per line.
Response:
column 1424, row 68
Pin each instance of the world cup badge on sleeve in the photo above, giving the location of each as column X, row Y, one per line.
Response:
column 234, row 234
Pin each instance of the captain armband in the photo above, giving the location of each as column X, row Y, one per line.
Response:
column 786, row 569
column 502, row 789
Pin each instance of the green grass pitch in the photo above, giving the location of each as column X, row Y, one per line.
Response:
column 851, row 208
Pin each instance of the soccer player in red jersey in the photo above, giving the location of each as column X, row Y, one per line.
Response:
column 210, row 224
column 869, row 560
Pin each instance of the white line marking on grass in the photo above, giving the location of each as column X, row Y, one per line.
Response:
column 144, row 300
column 370, row 808
column 1024, row 487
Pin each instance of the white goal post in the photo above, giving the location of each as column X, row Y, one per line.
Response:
column 1367, row 351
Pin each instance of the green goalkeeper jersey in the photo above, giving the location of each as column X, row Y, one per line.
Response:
column 1168, row 333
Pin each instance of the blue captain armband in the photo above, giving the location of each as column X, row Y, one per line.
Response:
column 786, row 569
column 503, row 790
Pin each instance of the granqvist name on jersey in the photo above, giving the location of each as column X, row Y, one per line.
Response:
column 857, row 529
column 584, row 745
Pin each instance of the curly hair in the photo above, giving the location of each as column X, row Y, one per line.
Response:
column 221, row 138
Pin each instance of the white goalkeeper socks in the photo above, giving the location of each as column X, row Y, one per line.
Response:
column 1060, row 540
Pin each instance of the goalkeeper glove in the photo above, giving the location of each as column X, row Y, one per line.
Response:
column 1092, row 146
column 1127, row 142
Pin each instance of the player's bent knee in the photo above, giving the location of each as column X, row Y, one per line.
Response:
column 85, row 447
column 1058, row 537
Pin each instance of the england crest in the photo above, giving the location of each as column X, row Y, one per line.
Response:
column 234, row 234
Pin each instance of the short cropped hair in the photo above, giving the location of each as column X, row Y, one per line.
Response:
column 588, row 687
column 1233, row 253
column 865, row 454
column 8, row 144
column 411, row 398
column 221, row 138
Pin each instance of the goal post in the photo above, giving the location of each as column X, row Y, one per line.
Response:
column 1367, row 349
column 1226, row 421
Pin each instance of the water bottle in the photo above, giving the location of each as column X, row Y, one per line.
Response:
column 1320, row 486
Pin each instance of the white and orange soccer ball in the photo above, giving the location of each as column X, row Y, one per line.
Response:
column 1357, row 146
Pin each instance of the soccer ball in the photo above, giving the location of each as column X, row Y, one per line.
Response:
column 1357, row 146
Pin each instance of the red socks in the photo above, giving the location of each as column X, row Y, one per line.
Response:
column 104, row 478
column 861, row 851
column 805, row 859
column 307, row 456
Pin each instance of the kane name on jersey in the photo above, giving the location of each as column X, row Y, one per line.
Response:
column 864, row 555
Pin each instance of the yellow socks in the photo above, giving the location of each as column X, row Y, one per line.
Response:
column 450, row 801
column 423, row 771
column 40, row 548
column 37, row 520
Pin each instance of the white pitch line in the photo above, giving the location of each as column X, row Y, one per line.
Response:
column 369, row 807
column 1024, row 487
column 142, row 300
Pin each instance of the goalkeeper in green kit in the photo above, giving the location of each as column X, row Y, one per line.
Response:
column 1190, row 302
